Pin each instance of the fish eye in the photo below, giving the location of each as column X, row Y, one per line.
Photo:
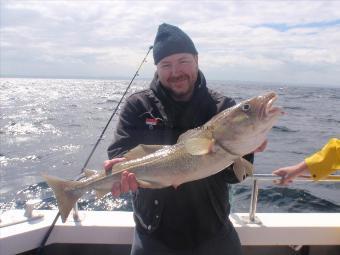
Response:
column 246, row 107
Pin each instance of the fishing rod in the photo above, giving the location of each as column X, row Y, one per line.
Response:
column 115, row 110
column 80, row 176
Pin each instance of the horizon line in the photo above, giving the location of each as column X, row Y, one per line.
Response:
column 81, row 77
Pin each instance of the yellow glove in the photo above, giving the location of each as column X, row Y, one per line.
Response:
column 325, row 161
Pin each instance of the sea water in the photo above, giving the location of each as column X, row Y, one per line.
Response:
column 51, row 125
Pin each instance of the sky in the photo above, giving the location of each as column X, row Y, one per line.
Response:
column 278, row 42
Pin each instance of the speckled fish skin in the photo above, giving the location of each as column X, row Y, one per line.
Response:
column 198, row 153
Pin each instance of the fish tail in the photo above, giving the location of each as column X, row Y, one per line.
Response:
column 66, row 197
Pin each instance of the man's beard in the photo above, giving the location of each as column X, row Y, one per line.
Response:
column 179, row 78
column 180, row 94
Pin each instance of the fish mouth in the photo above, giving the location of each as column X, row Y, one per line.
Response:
column 268, row 110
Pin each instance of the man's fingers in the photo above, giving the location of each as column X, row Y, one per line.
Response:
column 116, row 190
column 124, row 182
column 132, row 182
column 108, row 164
column 127, row 182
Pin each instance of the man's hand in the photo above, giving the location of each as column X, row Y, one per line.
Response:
column 128, row 180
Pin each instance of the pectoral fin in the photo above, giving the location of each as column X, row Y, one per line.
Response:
column 199, row 146
column 242, row 168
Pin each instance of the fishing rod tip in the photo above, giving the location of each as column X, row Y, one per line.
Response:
column 150, row 47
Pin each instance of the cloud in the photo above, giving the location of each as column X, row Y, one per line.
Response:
column 238, row 39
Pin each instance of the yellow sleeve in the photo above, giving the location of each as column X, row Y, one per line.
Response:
column 325, row 161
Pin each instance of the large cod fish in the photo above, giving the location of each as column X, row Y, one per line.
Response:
column 198, row 153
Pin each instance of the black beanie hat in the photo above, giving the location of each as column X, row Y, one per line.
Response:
column 171, row 40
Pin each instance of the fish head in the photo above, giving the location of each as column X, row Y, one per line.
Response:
column 244, row 127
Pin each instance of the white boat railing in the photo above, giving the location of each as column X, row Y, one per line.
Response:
column 30, row 215
column 254, row 194
column 274, row 178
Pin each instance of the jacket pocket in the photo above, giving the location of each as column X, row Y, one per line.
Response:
column 148, row 207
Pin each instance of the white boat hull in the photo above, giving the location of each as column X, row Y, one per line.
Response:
column 116, row 228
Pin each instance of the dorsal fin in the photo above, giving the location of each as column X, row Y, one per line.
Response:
column 186, row 135
column 89, row 172
column 199, row 132
column 142, row 150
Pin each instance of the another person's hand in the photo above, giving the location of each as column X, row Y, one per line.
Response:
column 289, row 173
column 128, row 180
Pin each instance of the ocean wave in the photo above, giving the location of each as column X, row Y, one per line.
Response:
column 296, row 152
column 334, row 97
column 17, row 200
column 284, row 129
column 74, row 125
column 68, row 148
column 330, row 120
column 48, row 202
column 28, row 128
column 112, row 101
column 280, row 199
column 295, row 200
column 4, row 161
column 299, row 108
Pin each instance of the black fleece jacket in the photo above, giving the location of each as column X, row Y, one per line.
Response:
column 184, row 217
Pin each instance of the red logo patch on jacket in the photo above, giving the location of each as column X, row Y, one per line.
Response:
column 151, row 122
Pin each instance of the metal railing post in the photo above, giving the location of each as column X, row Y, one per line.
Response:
column 253, row 201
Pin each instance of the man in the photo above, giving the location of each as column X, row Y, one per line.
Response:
column 192, row 219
